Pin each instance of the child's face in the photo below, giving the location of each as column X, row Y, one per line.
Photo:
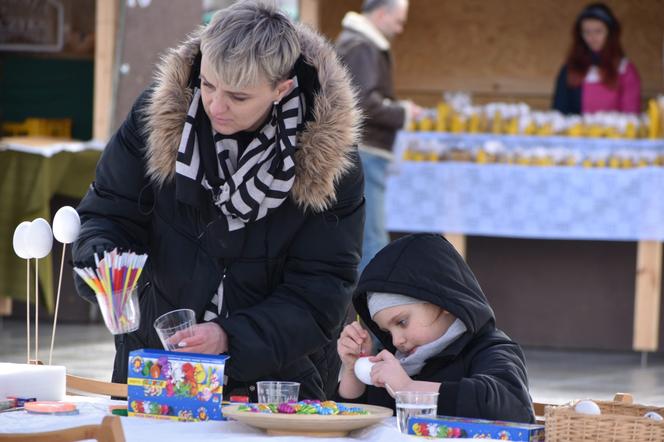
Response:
column 412, row 325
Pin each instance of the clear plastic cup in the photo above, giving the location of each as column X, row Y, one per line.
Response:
column 168, row 324
column 414, row 403
column 277, row 392
column 120, row 311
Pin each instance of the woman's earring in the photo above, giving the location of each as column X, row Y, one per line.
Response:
column 275, row 102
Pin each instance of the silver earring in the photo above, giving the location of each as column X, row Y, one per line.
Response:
column 275, row 102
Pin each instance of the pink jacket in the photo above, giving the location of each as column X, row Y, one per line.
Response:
column 596, row 97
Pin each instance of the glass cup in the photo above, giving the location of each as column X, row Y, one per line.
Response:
column 120, row 311
column 277, row 392
column 414, row 403
column 168, row 324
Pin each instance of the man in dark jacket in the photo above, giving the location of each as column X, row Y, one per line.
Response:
column 476, row 369
column 364, row 47
column 200, row 150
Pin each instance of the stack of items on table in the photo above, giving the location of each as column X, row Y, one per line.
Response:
column 457, row 114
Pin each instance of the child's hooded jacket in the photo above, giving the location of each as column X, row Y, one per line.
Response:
column 483, row 372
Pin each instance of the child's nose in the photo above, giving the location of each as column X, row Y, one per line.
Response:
column 398, row 340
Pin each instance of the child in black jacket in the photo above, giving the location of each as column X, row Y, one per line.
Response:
column 421, row 300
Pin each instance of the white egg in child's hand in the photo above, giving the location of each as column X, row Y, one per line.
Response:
column 654, row 416
column 587, row 407
column 363, row 370
column 66, row 225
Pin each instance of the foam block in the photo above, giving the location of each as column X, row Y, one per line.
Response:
column 44, row 382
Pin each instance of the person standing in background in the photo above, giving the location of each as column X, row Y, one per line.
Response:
column 597, row 76
column 364, row 47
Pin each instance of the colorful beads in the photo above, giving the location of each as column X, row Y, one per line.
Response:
column 326, row 408
column 285, row 409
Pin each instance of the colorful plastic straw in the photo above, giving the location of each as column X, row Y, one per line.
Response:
column 113, row 280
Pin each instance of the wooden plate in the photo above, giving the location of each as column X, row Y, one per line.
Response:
column 309, row 424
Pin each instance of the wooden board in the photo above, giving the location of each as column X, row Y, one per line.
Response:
column 105, row 31
column 144, row 41
column 309, row 424
column 504, row 49
column 5, row 306
column 309, row 12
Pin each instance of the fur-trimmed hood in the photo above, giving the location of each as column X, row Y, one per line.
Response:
column 324, row 146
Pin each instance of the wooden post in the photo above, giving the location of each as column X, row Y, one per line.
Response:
column 647, row 296
column 458, row 240
column 5, row 306
column 105, row 32
column 310, row 13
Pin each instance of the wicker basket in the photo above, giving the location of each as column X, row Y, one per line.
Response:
column 620, row 421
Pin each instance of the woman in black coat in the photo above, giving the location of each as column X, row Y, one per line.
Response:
column 236, row 172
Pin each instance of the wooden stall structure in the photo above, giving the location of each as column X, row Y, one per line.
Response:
column 511, row 51
column 108, row 49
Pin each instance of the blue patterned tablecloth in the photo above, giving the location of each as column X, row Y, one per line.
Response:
column 527, row 201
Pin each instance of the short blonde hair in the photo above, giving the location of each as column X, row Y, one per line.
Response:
column 249, row 41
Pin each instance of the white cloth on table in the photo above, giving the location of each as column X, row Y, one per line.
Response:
column 93, row 410
column 526, row 201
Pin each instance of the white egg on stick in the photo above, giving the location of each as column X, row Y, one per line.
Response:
column 66, row 227
column 40, row 238
column 40, row 242
column 19, row 242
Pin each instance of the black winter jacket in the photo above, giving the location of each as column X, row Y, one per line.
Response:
column 288, row 287
column 483, row 372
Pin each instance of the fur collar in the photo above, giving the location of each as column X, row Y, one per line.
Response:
column 324, row 146
column 359, row 23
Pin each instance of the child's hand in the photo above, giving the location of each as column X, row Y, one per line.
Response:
column 353, row 342
column 388, row 370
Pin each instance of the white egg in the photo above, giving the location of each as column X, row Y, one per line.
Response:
column 40, row 238
column 66, row 225
column 20, row 240
column 654, row 416
column 363, row 370
column 587, row 407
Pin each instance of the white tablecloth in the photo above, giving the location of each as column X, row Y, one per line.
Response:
column 47, row 147
column 92, row 411
column 496, row 199
column 526, row 201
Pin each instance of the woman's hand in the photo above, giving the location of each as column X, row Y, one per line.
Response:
column 353, row 342
column 208, row 338
column 388, row 371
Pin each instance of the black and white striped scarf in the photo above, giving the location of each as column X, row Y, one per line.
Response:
column 245, row 184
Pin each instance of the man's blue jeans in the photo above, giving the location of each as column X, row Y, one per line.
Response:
column 375, row 234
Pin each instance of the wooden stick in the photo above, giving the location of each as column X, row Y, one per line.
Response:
column 36, row 309
column 27, row 309
column 77, row 384
column 57, row 304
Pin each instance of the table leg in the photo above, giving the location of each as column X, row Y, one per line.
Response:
column 458, row 240
column 647, row 296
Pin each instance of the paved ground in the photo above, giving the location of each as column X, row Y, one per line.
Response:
column 555, row 376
